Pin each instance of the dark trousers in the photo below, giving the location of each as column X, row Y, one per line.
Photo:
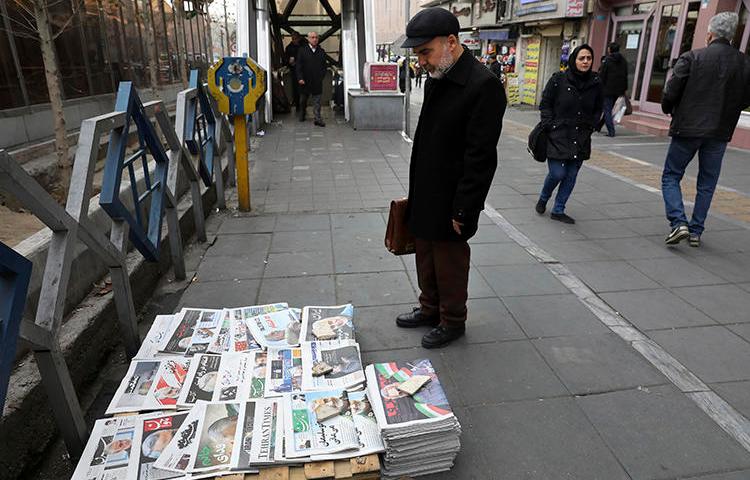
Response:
column 680, row 154
column 303, row 105
column 609, row 104
column 443, row 276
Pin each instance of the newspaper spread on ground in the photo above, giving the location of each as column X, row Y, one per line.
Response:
column 283, row 371
column 420, row 431
column 368, row 431
column 257, row 435
column 150, row 385
column 338, row 318
column 304, row 435
column 276, row 329
column 153, row 433
column 343, row 358
column 258, row 375
column 108, row 450
column 162, row 326
column 205, row 441
column 222, row 339
column 192, row 331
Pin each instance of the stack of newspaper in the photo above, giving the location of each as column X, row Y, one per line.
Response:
column 227, row 391
column 420, row 432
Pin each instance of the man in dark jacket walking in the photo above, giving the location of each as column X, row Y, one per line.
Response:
column 290, row 52
column 614, row 77
column 311, row 68
column 453, row 160
column 705, row 95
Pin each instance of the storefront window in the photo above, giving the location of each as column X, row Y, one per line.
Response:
column 741, row 27
column 644, row 55
column 629, row 35
column 665, row 38
column 688, row 33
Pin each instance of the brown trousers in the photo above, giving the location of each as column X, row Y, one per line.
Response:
column 443, row 276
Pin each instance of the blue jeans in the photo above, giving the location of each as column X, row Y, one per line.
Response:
column 680, row 154
column 609, row 103
column 563, row 173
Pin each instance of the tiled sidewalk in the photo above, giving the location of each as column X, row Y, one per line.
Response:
column 542, row 388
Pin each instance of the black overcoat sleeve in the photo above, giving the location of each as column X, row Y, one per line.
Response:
column 482, row 133
column 676, row 84
column 547, row 105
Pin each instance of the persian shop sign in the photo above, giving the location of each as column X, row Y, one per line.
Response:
column 550, row 7
column 383, row 77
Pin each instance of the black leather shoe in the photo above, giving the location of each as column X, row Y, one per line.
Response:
column 416, row 318
column 320, row 123
column 540, row 207
column 440, row 336
column 561, row 217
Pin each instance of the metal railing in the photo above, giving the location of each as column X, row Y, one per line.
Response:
column 136, row 211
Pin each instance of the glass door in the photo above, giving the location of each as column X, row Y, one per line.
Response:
column 674, row 33
column 628, row 32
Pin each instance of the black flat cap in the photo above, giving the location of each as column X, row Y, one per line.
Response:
column 428, row 24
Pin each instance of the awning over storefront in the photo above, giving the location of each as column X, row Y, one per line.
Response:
column 501, row 34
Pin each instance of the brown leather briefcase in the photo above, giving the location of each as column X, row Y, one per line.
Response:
column 398, row 239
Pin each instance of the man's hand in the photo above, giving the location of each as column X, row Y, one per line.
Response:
column 301, row 82
column 457, row 227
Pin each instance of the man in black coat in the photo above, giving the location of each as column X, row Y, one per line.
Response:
column 311, row 69
column 614, row 77
column 706, row 94
column 290, row 52
column 453, row 160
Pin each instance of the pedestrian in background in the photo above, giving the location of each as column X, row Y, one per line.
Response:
column 614, row 77
column 453, row 160
column 290, row 52
column 496, row 67
column 571, row 105
column 705, row 95
column 419, row 74
column 311, row 69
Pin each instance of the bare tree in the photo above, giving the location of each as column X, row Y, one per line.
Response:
column 34, row 23
column 153, row 57
column 179, row 13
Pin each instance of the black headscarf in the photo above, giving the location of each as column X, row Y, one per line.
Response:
column 575, row 76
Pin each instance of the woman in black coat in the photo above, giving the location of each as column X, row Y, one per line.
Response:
column 571, row 105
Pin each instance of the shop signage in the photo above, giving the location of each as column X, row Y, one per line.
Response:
column 381, row 77
column 574, row 8
column 473, row 43
column 550, row 7
column 531, row 71
column 525, row 2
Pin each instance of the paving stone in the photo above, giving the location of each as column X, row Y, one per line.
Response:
column 217, row 268
column 660, row 433
column 385, row 288
column 518, row 280
column 298, row 292
column 601, row 229
column 656, row 309
column 500, row 254
column 723, row 303
column 551, row 230
column 299, row 264
column 360, row 260
column 488, row 320
column 224, row 294
column 743, row 330
column 261, row 224
column 676, row 272
column 301, row 241
column 553, row 316
column 738, row 475
column 240, row 245
column 713, row 353
column 489, row 234
column 731, row 267
column 510, row 371
column 294, row 223
column 597, row 363
column 611, row 276
column 376, row 328
column 576, row 251
column 636, row 248
column 549, row 439
column 737, row 394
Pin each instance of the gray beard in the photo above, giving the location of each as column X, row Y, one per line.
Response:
column 446, row 62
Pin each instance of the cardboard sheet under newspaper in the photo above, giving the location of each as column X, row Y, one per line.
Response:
column 150, row 385
column 223, row 437
column 420, row 431
column 344, row 359
column 338, row 319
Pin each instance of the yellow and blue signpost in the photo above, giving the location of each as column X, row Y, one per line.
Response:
column 237, row 83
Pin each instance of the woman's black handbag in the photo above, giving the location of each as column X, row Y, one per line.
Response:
column 537, row 146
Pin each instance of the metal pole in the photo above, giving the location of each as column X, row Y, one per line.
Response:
column 243, row 170
column 407, row 89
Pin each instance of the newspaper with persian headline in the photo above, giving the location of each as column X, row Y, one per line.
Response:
column 283, row 371
column 396, row 409
column 304, row 435
column 276, row 329
column 192, row 332
column 233, row 334
column 230, row 377
column 153, row 384
column 108, row 450
column 338, row 318
column 342, row 356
